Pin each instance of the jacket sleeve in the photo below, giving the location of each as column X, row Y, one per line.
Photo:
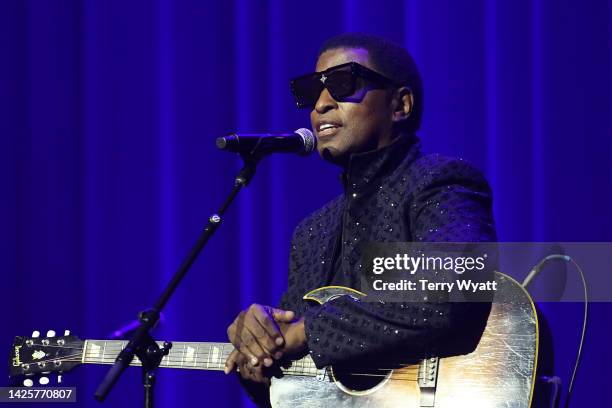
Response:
column 452, row 203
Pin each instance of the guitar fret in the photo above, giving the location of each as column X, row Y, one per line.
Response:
column 225, row 356
column 216, row 354
column 164, row 360
column 196, row 355
column 171, row 354
column 190, row 352
column 84, row 351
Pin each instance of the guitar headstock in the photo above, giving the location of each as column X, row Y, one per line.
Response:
column 37, row 355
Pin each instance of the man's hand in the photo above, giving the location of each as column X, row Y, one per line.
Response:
column 244, row 367
column 259, row 334
column 256, row 334
column 295, row 337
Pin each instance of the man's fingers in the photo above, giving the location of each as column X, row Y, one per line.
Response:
column 251, row 348
column 231, row 361
column 262, row 334
column 235, row 328
column 285, row 316
column 256, row 334
column 248, row 372
column 265, row 318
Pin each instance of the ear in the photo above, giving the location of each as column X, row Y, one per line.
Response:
column 403, row 104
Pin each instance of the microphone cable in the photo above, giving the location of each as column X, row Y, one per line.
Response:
column 532, row 274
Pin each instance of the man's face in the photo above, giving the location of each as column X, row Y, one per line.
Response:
column 360, row 125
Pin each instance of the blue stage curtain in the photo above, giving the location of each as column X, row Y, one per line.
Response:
column 108, row 168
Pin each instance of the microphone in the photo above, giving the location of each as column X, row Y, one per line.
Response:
column 301, row 142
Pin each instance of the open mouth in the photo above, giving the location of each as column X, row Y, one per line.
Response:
column 327, row 129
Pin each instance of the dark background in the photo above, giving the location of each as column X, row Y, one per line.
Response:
column 108, row 169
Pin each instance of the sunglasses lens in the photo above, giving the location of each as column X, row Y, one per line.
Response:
column 340, row 84
column 306, row 90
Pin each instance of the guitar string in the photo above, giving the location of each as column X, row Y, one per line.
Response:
column 300, row 366
column 178, row 347
column 394, row 376
column 201, row 349
column 305, row 372
column 297, row 371
column 181, row 364
column 305, row 364
column 204, row 354
column 115, row 348
column 183, row 347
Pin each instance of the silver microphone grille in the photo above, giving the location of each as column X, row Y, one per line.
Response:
column 310, row 142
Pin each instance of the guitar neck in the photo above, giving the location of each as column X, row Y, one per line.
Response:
column 185, row 355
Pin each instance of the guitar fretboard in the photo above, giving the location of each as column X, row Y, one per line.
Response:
column 188, row 355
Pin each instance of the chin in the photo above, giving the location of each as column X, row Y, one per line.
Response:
column 328, row 146
column 334, row 155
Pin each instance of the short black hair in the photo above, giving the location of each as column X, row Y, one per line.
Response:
column 390, row 59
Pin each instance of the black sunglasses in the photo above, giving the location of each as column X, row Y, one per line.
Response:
column 340, row 81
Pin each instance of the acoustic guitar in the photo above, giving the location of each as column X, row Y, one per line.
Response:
column 499, row 373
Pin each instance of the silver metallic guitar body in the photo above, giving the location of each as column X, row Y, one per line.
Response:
column 499, row 373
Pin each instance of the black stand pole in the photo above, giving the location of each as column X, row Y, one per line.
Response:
column 141, row 342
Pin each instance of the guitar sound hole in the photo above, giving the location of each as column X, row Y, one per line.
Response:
column 359, row 379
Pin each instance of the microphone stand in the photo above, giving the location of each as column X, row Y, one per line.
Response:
column 141, row 343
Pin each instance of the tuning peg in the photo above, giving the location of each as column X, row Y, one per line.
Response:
column 35, row 334
column 43, row 380
column 66, row 332
column 28, row 382
column 51, row 333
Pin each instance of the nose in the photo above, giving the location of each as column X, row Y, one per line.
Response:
column 325, row 102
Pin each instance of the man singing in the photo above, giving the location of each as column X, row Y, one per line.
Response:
column 366, row 101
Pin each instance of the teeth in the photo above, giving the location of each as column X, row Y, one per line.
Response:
column 326, row 126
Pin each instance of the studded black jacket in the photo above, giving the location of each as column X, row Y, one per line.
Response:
column 391, row 194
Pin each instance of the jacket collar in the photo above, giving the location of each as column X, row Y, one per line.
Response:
column 368, row 167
